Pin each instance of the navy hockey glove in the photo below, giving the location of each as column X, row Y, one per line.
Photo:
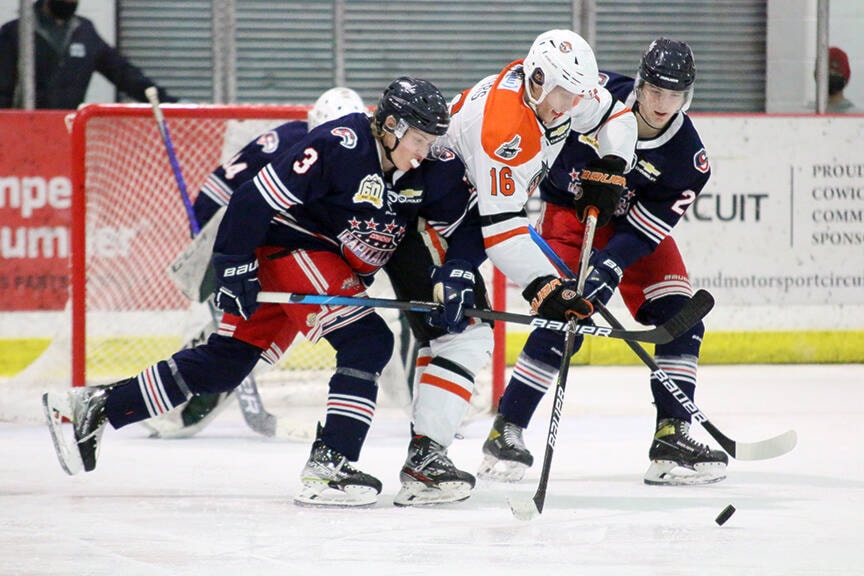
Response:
column 603, row 184
column 556, row 299
column 237, row 284
column 453, row 287
column 603, row 278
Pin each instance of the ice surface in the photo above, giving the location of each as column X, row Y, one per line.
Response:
column 220, row 503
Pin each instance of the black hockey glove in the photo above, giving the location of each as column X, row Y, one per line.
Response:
column 237, row 284
column 603, row 184
column 603, row 278
column 556, row 299
column 453, row 287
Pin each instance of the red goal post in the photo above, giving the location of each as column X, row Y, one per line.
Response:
column 129, row 223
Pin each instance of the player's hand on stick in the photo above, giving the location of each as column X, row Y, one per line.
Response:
column 557, row 299
column 454, row 288
column 603, row 184
column 237, row 284
column 603, row 278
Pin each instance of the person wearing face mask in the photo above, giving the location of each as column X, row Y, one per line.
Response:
column 68, row 50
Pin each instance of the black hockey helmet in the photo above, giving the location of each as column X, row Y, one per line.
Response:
column 668, row 64
column 417, row 103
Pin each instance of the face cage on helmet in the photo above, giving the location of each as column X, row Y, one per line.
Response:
column 688, row 96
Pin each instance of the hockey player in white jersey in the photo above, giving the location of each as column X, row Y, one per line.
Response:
column 507, row 130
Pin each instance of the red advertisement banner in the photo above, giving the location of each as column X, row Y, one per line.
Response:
column 35, row 215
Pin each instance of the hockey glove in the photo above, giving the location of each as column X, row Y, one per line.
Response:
column 556, row 299
column 237, row 284
column 603, row 278
column 453, row 287
column 603, row 184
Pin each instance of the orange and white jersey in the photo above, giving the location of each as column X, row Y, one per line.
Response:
column 507, row 152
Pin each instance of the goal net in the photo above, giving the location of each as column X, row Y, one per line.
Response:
column 129, row 224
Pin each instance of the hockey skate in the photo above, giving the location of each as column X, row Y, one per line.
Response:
column 677, row 459
column 430, row 477
column 84, row 407
column 330, row 480
column 505, row 456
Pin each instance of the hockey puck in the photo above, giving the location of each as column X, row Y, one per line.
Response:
column 725, row 515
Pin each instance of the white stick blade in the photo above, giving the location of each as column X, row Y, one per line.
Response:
column 767, row 449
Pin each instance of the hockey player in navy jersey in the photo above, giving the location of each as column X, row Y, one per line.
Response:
column 323, row 218
column 214, row 195
column 634, row 253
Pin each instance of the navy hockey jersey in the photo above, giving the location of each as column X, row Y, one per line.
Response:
column 671, row 170
column 328, row 192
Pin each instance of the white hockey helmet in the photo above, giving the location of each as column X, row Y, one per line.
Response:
column 333, row 104
column 561, row 58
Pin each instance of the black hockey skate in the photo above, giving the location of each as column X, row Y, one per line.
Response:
column 430, row 477
column 330, row 480
column 506, row 458
column 678, row 459
column 85, row 408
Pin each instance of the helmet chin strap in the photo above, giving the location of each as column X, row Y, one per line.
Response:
column 642, row 116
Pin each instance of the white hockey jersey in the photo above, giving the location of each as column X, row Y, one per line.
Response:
column 507, row 152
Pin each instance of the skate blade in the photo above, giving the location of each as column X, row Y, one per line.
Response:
column 56, row 408
column 668, row 473
column 497, row 470
column 418, row 494
column 318, row 494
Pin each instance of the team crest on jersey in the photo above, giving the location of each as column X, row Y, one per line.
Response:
column 511, row 149
column 537, row 178
column 604, row 78
column 347, row 136
column 700, row 161
column 371, row 190
column 269, row 142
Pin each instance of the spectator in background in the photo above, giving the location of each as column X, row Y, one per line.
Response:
column 838, row 78
column 68, row 49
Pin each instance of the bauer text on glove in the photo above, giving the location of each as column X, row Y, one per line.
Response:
column 454, row 288
column 603, row 184
column 237, row 284
column 556, row 299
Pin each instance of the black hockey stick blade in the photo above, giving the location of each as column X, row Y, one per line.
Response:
column 699, row 305
column 760, row 450
column 681, row 322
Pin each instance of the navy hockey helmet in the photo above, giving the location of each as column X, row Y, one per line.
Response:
column 668, row 64
column 414, row 103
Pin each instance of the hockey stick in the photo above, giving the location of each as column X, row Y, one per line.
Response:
column 760, row 450
column 257, row 418
column 526, row 510
column 153, row 96
column 657, row 335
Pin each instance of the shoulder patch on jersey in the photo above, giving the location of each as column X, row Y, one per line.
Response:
column 347, row 136
column 604, row 78
column 700, row 161
column 269, row 142
column 509, row 150
column 371, row 190
column 512, row 80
